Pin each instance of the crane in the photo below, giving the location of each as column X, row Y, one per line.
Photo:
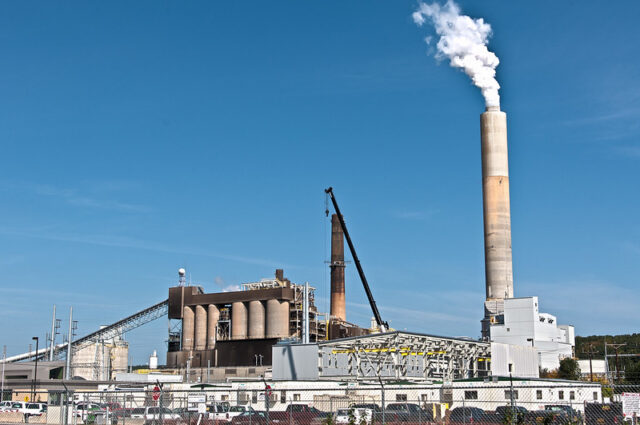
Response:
column 384, row 326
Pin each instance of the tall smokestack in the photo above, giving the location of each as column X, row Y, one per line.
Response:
column 338, row 309
column 497, row 214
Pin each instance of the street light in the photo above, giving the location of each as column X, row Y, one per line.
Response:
column 35, row 373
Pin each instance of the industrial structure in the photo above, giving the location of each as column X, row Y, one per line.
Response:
column 338, row 303
column 525, row 325
column 247, row 328
column 232, row 328
column 507, row 319
column 101, row 361
column 392, row 355
column 497, row 216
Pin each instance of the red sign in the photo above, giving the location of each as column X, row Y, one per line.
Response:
column 156, row 393
column 268, row 391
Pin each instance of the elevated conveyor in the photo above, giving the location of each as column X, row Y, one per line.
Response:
column 108, row 332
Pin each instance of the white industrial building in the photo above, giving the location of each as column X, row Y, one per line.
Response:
column 524, row 325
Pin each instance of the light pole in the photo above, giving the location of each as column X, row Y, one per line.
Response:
column 35, row 373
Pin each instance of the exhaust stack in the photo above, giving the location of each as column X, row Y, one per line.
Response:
column 338, row 309
column 497, row 215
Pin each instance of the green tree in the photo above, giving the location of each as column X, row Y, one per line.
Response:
column 569, row 369
column 632, row 374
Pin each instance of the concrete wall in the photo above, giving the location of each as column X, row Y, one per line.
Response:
column 295, row 362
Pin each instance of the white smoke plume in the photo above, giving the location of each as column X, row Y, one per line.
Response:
column 464, row 41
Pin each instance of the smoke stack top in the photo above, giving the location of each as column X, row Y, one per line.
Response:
column 464, row 41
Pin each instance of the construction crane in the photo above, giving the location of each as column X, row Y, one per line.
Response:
column 384, row 326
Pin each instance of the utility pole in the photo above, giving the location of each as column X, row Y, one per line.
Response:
column 4, row 359
column 590, row 352
column 53, row 334
column 67, row 372
column 616, row 347
column 35, row 373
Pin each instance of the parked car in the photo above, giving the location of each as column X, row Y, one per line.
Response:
column 16, row 406
column 298, row 414
column 5, row 405
column 82, row 409
column 35, row 409
column 504, row 414
column 26, row 408
column 154, row 413
column 137, row 413
column 219, row 412
column 238, row 410
column 360, row 415
column 467, row 415
column 603, row 413
column 546, row 417
column 250, row 417
column 574, row 416
column 401, row 412
column 372, row 406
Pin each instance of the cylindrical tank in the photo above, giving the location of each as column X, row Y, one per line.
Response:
column 497, row 213
column 153, row 360
column 277, row 319
column 238, row 321
column 256, row 319
column 212, row 317
column 187, row 328
column 201, row 328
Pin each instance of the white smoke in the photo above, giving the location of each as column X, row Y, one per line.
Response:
column 464, row 41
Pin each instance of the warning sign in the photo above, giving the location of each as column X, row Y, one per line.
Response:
column 630, row 404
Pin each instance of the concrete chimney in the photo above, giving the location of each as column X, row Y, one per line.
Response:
column 338, row 309
column 497, row 215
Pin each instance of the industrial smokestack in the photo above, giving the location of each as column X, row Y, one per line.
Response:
column 497, row 214
column 338, row 309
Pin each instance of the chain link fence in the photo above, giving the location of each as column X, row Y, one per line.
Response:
column 322, row 403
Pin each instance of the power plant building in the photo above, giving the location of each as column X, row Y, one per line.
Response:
column 524, row 325
column 236, row 328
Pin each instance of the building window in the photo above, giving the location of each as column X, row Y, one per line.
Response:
column 283, row 396
column 595, row 395
column 296, row 397
column 401, row 397
column 560, row 395
column 507, row 395
column 254, row 397
column 424, row 397
column 572, row 395
column 539, row 395
column 471, row 395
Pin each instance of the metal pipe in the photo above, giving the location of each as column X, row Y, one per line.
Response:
column 305, row 314
column 67, row 372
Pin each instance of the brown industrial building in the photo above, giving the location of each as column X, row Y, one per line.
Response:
column 228, row 329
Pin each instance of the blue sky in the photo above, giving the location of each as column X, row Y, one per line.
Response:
column 141, row 137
